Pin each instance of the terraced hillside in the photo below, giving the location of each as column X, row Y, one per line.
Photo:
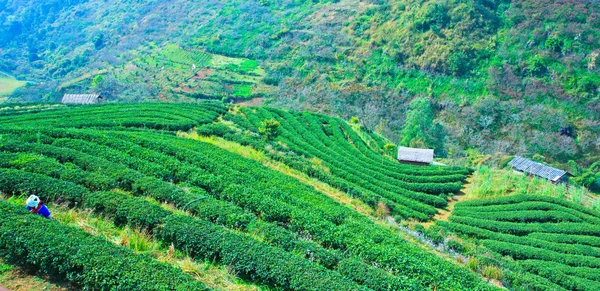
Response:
column 126, row 162
column 354, row 161
column 552, row 240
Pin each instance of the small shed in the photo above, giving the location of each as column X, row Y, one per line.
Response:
column 415, row 156
column 529, row 167
column 82, row 99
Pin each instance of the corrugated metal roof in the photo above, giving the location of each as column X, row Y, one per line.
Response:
column 534, row 168
column 81, row 98
column 415, row 155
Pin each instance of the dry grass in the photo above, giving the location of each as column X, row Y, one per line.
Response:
column 17, row 280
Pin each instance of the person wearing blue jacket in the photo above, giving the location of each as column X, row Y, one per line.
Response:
column 36, row 206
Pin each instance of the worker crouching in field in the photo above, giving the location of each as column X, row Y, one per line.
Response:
column 36, row 206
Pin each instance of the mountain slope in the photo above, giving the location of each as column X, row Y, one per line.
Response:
column 266, row 226
column 502, row 76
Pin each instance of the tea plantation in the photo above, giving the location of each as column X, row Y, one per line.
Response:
column 266, row 226
column 132, row 164
column 552, row 239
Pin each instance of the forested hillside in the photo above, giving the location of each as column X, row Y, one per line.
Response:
column 498, row 76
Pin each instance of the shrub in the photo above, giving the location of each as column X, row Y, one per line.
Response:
column 88, row 261
column 492, row 272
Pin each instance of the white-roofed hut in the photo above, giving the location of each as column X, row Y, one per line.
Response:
column 82, row 99
column 415, row 156
column 531, row 168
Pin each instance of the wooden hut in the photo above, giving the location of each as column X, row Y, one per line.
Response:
column 415, row 156
column 82, row 99
column 531, row 168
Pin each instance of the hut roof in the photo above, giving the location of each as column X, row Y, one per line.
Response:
column 534, row 168
column 415, row 155
column 81, row 98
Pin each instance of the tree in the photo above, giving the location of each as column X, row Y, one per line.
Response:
column 269, row 129
column 98, row 41
column 390, row 149
column 419, row 120
column 97, row 81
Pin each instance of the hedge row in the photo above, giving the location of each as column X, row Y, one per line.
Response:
column 147, row 115
column 593, row 241
column 209, row 208
column 521, row 216
column 72, row 254
column 521, row 229
column 340, row 164
column 548, row 237
column 556, row 276
column 258, row 264
column 69, row 172
column 528, row 241
column 536, row 198
column 277, row 197
column 246, row 256
column 530, row 206
column 581, row 272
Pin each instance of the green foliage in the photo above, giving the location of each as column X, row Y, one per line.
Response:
column 534, row 57
column 97, row 81
column 269, row 129
column 64, row 251
column 418, row 121
column 248, row 66
column 390, row 149
column 554, row 44
column 263, row 224
column 536, row 65
column 546, row 236
column 5, row 268
column 589, row 177
column 492, row 272
column 404, row 197
column 244, row 91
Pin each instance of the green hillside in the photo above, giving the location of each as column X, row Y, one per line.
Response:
column 509, row 77
column 263, row 224
column 545, row 238
column 208, row 196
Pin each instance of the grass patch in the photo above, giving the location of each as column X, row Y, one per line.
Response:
column 489, row 182
column 242, row 90
column 220, row 61
column 4, row 268
column 8, row 85
column 248, row 66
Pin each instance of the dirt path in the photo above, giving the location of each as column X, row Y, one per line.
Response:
column 17, row 280
column 252, row 102
column 444, row 214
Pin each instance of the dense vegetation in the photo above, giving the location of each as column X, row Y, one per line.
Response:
column 264, row 225
column 548, row 238
column 515, row 77
column 336, row 153
column 73, row 254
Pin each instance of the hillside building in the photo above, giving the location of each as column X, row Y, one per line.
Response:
column 82, row 99
column 415, row 156
column 531, row 168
